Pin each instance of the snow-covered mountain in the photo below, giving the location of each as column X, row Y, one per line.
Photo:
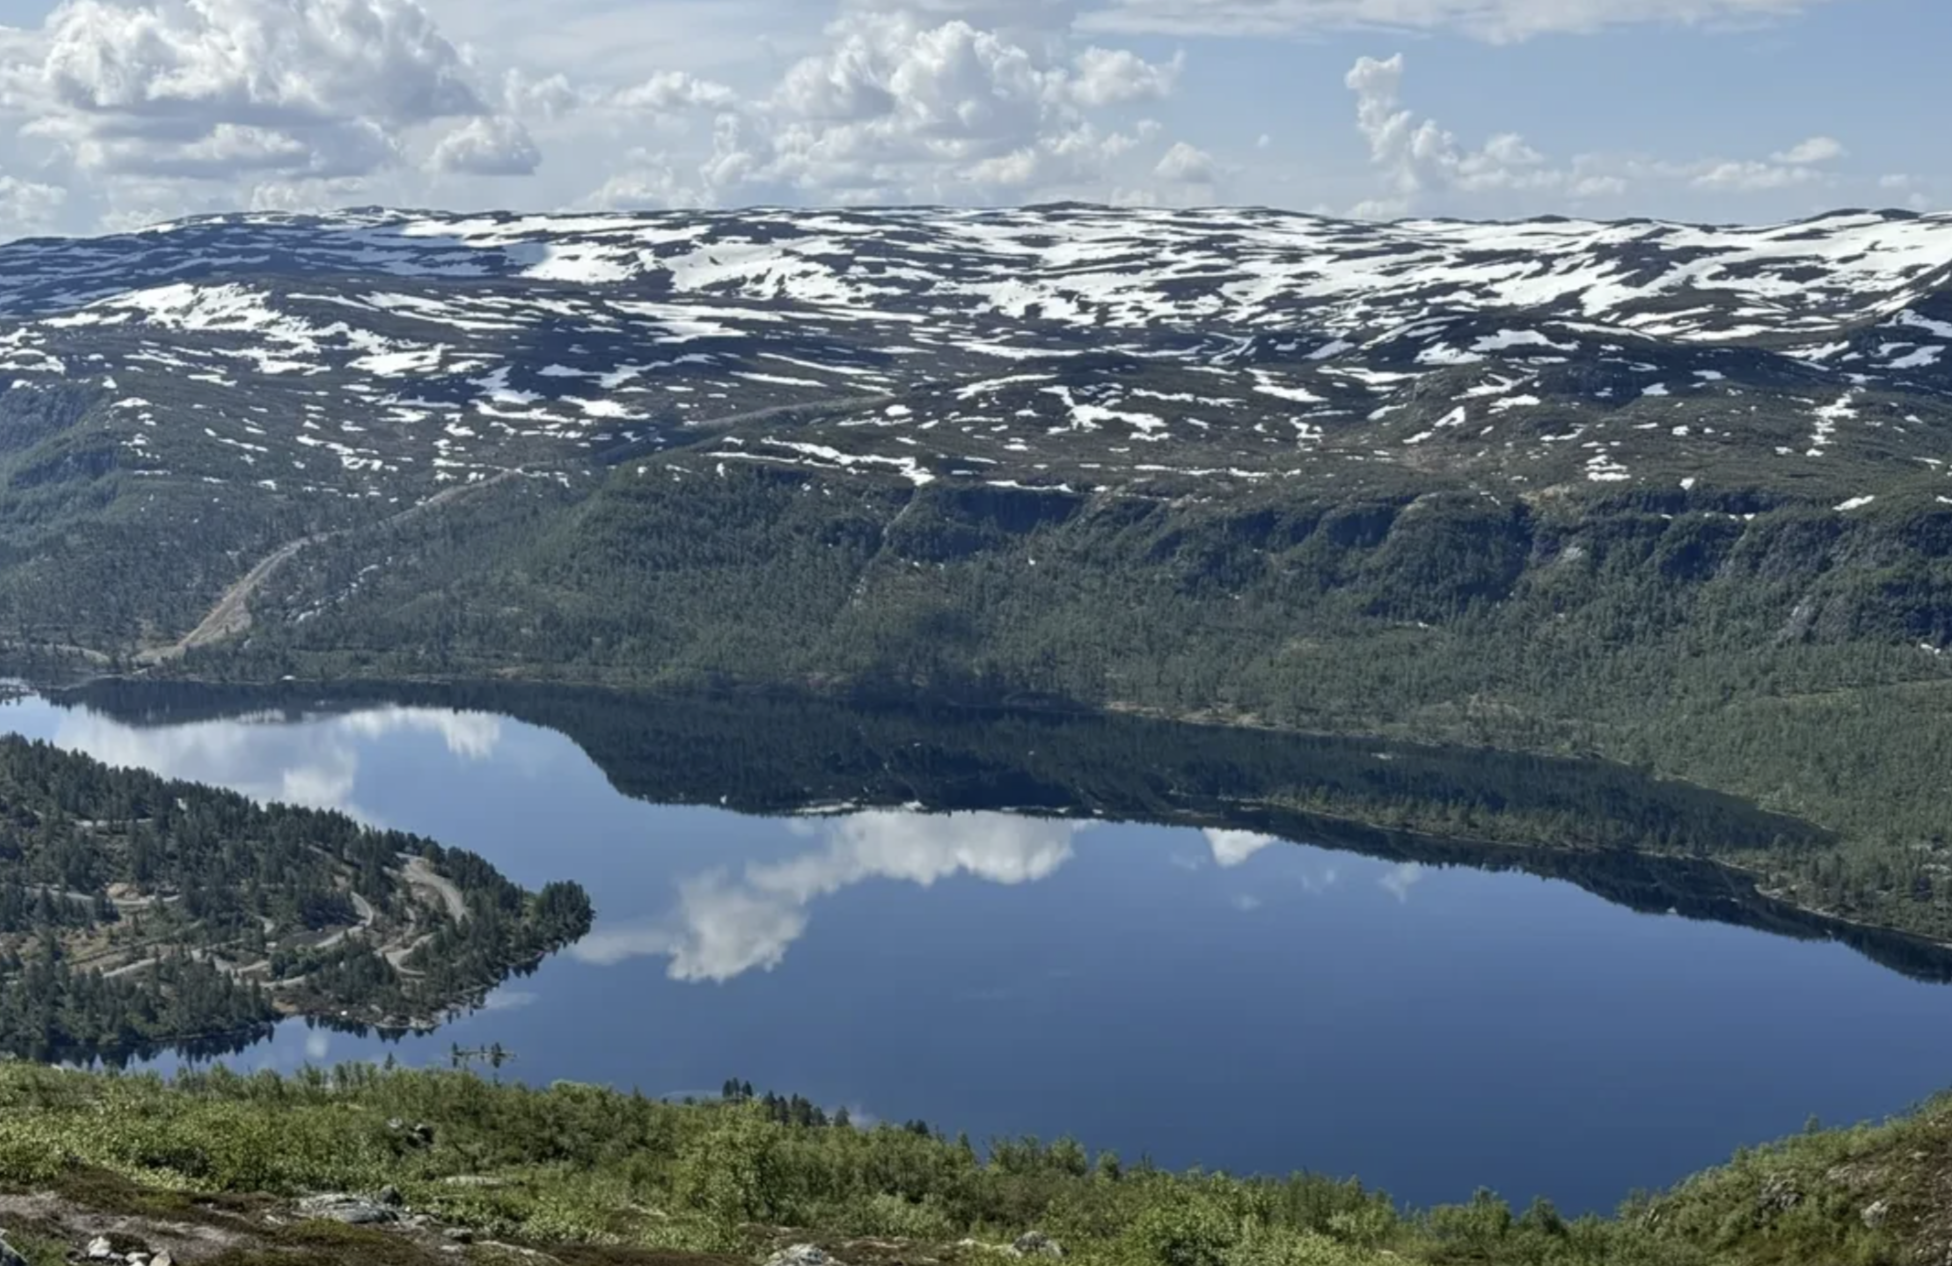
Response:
column 379, row 355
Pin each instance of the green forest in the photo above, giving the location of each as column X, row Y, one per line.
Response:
column 1748, row 641
column 136, row 911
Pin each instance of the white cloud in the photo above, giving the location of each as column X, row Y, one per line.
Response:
column 1419, row 159
column 1751, row 175
column 28, row 206
column 897, row 105
column 495, row 145
column 1585, row 187
column 1416, row 156
column 1186, row 165
column 209, row 89
column 647, row 182
column 726, row 925
column 676, row 90
column 1500, row 21
column 1817, row 149
column 139, row 110
column 1107, row 76
column 546, row 97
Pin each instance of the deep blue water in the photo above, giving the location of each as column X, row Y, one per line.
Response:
column 1211, row 998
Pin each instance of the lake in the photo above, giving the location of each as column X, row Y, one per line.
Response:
column 1208, row 995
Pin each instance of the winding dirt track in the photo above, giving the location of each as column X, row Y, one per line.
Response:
column 232, row 614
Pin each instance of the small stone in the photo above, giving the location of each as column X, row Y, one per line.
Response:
column 162, row 1259
column 801, row 1255
column 1779, row 1195
column 1036, row 1244
column 1875, row 1213
column 460, row 1235
column 99, row 1249
column 339, row 1207
column 390, row 1195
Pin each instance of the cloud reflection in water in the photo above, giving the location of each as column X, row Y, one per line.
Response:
column 727, row 923
column 314, row 764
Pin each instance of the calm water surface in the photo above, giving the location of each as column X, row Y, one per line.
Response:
column 1209, row 997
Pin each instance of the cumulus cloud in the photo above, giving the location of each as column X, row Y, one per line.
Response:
column 1418, row 158
column 1500, row 21
column 1416, row 155
column 28, row 207
column 1816, row 150
column 495, row 145
column 210, row 89
column 1107, row 76
column 547, row 97
column 647, row 182
column 1752, row 175
column 1187, row 165
column 909, row 104
column 727, row 924
column 676, row 90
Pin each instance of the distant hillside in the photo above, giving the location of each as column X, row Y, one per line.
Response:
column 182, row 402
column 1673, row 495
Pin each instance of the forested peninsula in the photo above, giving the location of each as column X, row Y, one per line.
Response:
column 137, row 911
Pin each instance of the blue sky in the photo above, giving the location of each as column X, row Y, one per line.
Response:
column 126, row 111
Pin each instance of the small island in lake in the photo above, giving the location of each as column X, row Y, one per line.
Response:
column 136, row 911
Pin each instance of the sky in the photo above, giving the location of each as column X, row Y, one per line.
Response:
column 121, row 113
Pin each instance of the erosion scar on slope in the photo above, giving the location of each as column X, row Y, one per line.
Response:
column 232, row 614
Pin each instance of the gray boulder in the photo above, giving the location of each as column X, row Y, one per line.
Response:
column 1036, row 1244
column 1779, row 1195
column 801, row 1255
column 352, row 1210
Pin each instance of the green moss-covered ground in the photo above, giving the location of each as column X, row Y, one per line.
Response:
column 586, row 1175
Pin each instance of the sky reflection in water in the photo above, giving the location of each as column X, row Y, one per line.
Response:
column 1216, row 997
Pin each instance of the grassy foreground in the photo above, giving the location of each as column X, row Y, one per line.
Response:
column 214, row 1166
